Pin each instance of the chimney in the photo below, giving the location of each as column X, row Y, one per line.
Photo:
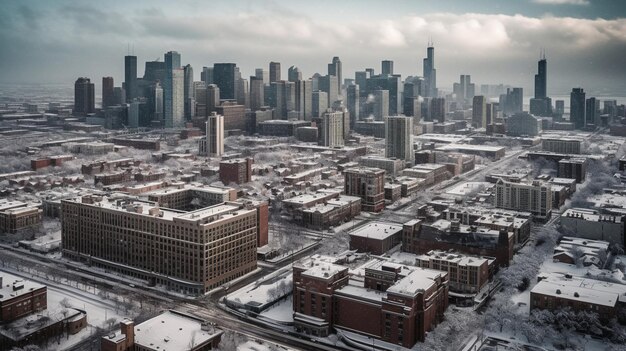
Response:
column 128, row 329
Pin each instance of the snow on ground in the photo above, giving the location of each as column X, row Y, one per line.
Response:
column 522, row 300
column 549, row 266
column 261, row 290
column 281, row 312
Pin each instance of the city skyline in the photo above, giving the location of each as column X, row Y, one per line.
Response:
column 583, row 40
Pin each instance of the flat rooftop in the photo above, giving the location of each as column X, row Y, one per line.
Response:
column 10, row 282
column 377, row 230
column 564, row 290
column 172, row 331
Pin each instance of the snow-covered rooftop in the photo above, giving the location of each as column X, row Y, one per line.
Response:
column 377, row 230
column 173, row 331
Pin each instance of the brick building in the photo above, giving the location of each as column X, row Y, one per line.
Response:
column 16, row 216
column 189, row 252
column 20, row 298
column 395, row 303
column 466, row 274
column 236, row 171
column 375, row 237
column 368, row 184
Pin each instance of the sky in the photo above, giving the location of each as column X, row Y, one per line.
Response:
column 494, row 41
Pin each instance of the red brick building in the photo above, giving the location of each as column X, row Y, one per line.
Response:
column 19, row 298
column 368, row 184
column 237, row 170
column 394, row 303
column 375, row 237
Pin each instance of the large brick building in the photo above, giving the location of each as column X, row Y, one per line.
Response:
column 20, row 298
column 375, row 237
column 466, row 274
column 395, row 303
column 16, row 216
column 237, row 170
column 368, row 184
column 189, row 252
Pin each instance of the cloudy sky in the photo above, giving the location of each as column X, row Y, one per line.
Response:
column 494, row 41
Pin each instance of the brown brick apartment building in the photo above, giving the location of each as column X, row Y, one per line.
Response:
column 19, row 298
column 368, row 184
column 190, row 252
column 236, row 171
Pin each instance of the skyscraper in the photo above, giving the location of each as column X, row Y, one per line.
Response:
column 107, row 91
column 334, row 69
column 438, row 109
column 380, row 108
column 430, row 73
column 130, row 77
column 188, row 93
column 263, row 75
column 215, row 135
column 592, row 112
column 464, row 90
column 154, row 71
column 353, row 103
column 541, row 104
column 399, row 138
column 257, row 98
column 155, row 101
column 84, row 98
column 319, row 103
column 173, row 91
column 274, row 72
column 224, row 75
column 479, row 112
column 577, row 108
column 294, row 74
column 512, row 101
column 207, row 75
column 304, row 99
column 213, row 94
column 360, row 78
column 329, row 84
column 387, row 67
column 242, row 94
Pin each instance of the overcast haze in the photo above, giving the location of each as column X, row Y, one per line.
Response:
column 494, row 41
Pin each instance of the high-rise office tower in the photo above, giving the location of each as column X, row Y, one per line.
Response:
column 319, row 103
column 173, row 91
column 224, row 76
column 130, row 77
column 84, row 97
column 479, row 112
column 335, row 69
column 360, row 78
column 330, row 85
column 274, row 72
column 464, row 90
column 430, row 73
column 370, row 72
column 592, row 112
column 155, row 103
column 559, row 107
column 242, row 94
column 392, row 84
column 399, row 138
column 215, row 135
column 263, row 75
column 438, row 109
column 387, row 67
column 206, row 75
column 107, row 91
column 353, row 103
column 133, row 114
column 304, row 99
column 577, row 108
column 512, row 101
column 380, row 107
column 294, row 74
column 282, row 98
column 188, row 93
column 213, row 95
column 154, row 71
column 257, row 96
column 411, row 99
column 541, row 104
column 331, row 133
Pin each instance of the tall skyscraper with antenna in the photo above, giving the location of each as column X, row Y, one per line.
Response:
column 430, row 73
column 541, row 104
column 130, row 77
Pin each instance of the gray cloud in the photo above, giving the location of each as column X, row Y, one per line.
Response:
column 493, row 48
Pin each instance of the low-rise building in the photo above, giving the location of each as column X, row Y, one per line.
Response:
column 368, row 184
column 375, row 237
column 237, row 171
column 466, row 274
column 590, row 224
column 16, row 216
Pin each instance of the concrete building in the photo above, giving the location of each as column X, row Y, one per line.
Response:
column 368, row 184
column 562, row 145
column 84, row 97
column 332, row 129
column 215, row 135
column 282, row 128
column 535, row 197
column 274, row 73
column 399, row 138
column 189, row 252
column 479, row 111
column 391, row 166
column 380, row 105
column 590, row 224
column 237, row 171
column 394, row 303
